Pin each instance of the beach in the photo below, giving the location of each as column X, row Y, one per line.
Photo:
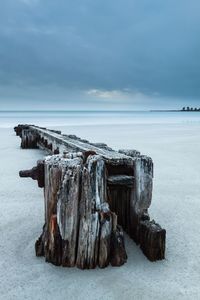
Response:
column 172, row 140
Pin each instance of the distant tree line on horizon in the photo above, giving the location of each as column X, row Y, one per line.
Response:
column 190, row 109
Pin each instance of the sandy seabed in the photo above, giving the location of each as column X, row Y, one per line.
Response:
column 175, row 149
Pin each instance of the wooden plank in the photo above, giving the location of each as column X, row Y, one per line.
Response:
column 67, row 212
column 152, row 240
column 70, row 143
column 124, row 180
column 105, row 238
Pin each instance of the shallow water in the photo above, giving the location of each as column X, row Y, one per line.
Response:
column 173, row 141
column 75, row 118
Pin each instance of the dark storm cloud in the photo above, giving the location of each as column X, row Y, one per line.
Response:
column 150, row 47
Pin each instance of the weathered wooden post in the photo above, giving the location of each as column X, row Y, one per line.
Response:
column 92, row 194
column 79, row 227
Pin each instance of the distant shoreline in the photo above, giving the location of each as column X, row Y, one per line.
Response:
column 175, row 110
column 95, row 111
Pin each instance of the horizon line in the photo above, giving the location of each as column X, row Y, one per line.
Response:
column 84, row 110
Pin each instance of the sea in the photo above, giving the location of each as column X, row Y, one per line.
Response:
column 76, row 118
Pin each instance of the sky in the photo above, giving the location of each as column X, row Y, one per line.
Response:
column 102, row 54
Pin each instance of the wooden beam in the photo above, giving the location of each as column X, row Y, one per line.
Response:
column 121, row 180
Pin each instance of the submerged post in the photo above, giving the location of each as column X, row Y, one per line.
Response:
column 92, row 194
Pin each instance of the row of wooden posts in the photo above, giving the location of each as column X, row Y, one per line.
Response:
column 92, row 194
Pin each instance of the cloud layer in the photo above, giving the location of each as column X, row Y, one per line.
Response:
column 104, row 49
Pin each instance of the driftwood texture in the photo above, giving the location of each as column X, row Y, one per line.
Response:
column 92, row 193
column 79, row 227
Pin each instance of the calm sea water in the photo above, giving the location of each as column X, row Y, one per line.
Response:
column 76, row 118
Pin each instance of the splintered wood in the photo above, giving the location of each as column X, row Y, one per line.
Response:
column 91, row 194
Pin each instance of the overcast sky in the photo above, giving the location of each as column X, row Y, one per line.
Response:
column 99, row 54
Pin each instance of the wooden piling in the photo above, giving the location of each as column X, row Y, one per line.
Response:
column 92, row 194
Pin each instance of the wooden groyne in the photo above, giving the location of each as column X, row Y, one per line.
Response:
column 91, row 195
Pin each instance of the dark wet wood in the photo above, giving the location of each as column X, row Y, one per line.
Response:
column 124, row 180
column 152, row 240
